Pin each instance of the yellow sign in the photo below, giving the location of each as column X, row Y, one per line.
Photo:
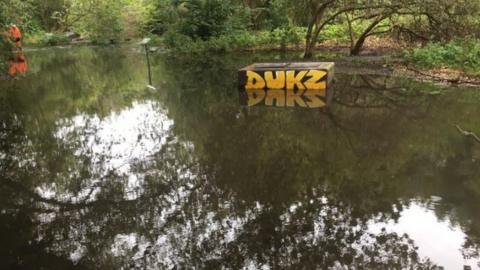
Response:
column 290, row 80
column 287, row 76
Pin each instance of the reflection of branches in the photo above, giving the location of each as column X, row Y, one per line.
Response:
column 37, row 198
column 344, row 130
column 381, row 89
column 471, row 248
column 371, row 93
column 355, row 105
column 468, row 134
column 299, row 239
column 369, row 86
column 68, row 205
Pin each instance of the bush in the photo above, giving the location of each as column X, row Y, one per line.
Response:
column 335, row 32
column 198, row 19
column 53, row 39
column 41, row 38
column 238, row 40
column 5, row 53
column 458, row 54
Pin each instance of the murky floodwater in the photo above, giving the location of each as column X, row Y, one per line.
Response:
column 99, row 172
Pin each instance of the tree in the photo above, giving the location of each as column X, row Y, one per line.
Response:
column 324, row 12
column 444, row 20
column 18, row 12
column 44, row 11
column 196, row 19
column 372, row 21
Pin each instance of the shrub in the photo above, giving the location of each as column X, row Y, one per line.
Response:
column 53, row 39
column 236, row 40
column 459, row 54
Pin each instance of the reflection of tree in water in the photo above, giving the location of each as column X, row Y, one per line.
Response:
column 17, row 229
column 380, row 92
column 175, row 224
column 459, row 181
column 181, row 218
column 448, row 168
column 199, row 186
column 30, row 156
column 385, row 122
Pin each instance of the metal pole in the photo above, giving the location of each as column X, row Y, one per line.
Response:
column 148, row 63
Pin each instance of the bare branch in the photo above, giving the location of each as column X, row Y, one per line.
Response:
column 468, row 134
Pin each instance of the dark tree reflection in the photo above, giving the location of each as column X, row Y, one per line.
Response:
column 180, row 218
column 107, row 176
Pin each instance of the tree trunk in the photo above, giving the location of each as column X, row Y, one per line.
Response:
column 312, row 36
column 308, row 51
column 312, row 42
column 355, row 50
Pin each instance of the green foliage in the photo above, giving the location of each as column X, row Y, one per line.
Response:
column 40, row 38
column 54, row 39
column 336, row 32
column 18, row 12
column 277, row 18
column 44, row 11
column 222, row 25
column 444, row 20
column 280, row 27
column 5, row 48
column 203, row 19
column 239, row 40
column 459, row 54
column 289, row 35
column 198, row 19
column 100, row 20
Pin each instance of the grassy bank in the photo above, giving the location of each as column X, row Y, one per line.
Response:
column 42, row 39
column 462, row 55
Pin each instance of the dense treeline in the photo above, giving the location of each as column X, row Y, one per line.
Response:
column 228, row 24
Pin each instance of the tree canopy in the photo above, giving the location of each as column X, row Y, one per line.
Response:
column 185, row 21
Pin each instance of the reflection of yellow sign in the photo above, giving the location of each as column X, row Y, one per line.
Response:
column 311, row 79
column 285, row 98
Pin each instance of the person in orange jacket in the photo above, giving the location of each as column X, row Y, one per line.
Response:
column 15, row 36
column 18, row 65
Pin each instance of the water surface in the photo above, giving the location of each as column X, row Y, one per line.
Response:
column 97, row 171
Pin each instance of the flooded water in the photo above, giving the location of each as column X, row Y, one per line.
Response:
column 98, row 171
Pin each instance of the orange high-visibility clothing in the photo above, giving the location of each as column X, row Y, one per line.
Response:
column 19, row 65
column 22, row 67
column 15, row 33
